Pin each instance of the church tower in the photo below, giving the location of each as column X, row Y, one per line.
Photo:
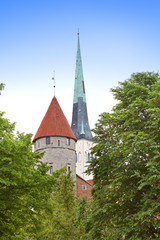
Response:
column 80, row 123
column 56, row 138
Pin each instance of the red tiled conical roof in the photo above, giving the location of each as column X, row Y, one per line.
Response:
column 54, row 123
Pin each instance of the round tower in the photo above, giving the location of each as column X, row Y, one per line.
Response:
column 56, row 138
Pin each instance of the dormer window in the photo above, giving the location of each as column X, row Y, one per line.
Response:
column 47, row 140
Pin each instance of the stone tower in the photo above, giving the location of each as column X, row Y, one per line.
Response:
column 56, row 138
column 80, row 123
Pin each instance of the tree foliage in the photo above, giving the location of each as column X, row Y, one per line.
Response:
column 62, row 221
column 126, row 167
column 25, row 186
column 33, row 204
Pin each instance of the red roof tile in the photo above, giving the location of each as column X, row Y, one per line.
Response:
column 54, row 123
column 90, row 181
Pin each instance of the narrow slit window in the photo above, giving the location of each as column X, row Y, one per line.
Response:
column 69, row 168
column 51, row 168
column 76, row 157
column 68, row 141
column 58, row 142
column 47, row 140
column 89, row 157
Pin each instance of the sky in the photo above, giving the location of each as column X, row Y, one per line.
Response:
column 38, row 37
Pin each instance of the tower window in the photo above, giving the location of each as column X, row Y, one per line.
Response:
column 51, row 168
column 68, row 167
column 47, row 140
column 68, row 141
column 89, row 157
column 58, row 142
column 76, row 157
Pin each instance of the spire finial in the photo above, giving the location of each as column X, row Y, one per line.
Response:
column 53, row 78
column 78, row 32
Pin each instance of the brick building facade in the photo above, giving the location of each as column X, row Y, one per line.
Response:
column 83, row 188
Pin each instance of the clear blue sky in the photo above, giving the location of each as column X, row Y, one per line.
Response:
column 117, row 38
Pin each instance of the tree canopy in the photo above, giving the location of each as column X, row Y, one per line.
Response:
column 25, row 186
column 62, row 222
column 126, row 166
column 33, row 204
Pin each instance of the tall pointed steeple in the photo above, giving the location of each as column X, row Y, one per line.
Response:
column 80, row 124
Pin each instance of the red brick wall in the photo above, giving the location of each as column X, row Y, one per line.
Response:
column 81, row 193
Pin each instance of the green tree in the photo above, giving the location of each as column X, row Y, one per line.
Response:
column 24, row 185
column 62, row 221
column 126, row 167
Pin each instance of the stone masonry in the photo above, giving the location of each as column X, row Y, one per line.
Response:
column 59, row 153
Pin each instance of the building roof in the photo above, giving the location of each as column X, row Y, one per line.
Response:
column 80, row 123
column 79, row 88
column 86, row 181
column 90, row 181
column 54, row 123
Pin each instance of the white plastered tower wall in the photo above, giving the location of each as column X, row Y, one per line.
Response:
column 83, row 156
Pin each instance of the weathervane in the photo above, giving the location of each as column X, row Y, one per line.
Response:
column 53, row 78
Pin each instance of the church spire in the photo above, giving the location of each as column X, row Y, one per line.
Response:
column 79, row 90
column 79, row 114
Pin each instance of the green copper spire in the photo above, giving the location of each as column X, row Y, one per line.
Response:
column 80, row 124
column 79, row 89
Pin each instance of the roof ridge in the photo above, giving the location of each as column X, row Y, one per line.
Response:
column 84, row 180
